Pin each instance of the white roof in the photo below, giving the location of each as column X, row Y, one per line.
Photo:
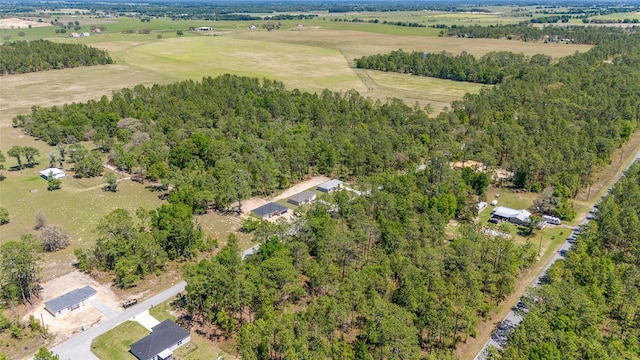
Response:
column 330, row 184
column 505, row 212
column 165, row 353
column 57, row 173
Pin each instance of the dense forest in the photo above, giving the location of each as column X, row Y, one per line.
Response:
column 20, row 57
column 377, row 277
column 574, row 34
column 590, row 305
column 491, row 68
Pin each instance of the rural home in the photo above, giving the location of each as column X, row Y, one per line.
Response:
column 269, row 210
column 160, row 344
column 57, row 173
column 85, row 34
column 70, row 301
column 305, row 197
column 205, row 28
column 330, row 186
column 74, row 35
column 519, row 217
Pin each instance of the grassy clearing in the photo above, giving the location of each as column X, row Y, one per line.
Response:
column 115, row 343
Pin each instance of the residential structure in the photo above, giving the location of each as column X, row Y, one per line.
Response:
column 305, row 197
column 519, row 217
column 270, row 210
column 70, row 301
column 160, row 344
column 57, row 173
column 330, row 186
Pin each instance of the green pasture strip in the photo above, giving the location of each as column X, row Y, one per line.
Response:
column 115, row 343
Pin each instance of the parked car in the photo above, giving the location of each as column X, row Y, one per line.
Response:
column 129, row 303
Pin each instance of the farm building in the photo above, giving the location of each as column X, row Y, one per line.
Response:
column 205, row 28
column 74, row 35
column 57, row 173
column 551, row 220
column 330, row 186
column 160, row 344
column 70, row 301
column 269, row 210
column 481, row 205
column 305, row 197
column 519, row 217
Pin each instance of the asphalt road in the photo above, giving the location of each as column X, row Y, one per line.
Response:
column 499, row 337
column 78, row 347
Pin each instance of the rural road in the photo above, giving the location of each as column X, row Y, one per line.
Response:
column 78, row 347
column 513, row 319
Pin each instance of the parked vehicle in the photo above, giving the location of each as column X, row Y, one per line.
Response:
column 129, row 303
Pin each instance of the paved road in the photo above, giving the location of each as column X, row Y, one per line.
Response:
column 78, row 347
column 513, row 319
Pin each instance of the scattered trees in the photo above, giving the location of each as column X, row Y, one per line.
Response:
column 112, row 182
column 27, row 151
column 19, row 270
column 44, row 354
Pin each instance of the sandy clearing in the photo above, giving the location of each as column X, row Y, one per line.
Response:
column 256, row 201
column 15, row 23
column 64, row 326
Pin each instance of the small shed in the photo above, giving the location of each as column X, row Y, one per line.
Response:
column 330, row 186
column 70, row 301
column 305, row 197
column 57, row 173
column 270, row 210
column 160, row 344
column 481, row 205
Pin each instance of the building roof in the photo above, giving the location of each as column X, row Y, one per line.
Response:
column 57, row 173
column 505, row 212
column 269, row 208
column 303, row 196
column 331, row 184
column 162, row 337
column 71, row 298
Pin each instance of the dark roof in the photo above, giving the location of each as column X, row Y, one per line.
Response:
column 71, row 298
column 269, row 208
column 163, row 336
column 302, row 196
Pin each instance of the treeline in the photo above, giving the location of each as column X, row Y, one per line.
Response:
column 377, row 278
column 491, row 68
column 132, row 248
column 594, row 35
column 590, row 306
column 20, row 57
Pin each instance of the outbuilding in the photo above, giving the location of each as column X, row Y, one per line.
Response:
column 164, row 339
column 551, row 220
column 270, row 210
column 55, row 172
column 305, row 197
column 330, row 186
column 70, row 301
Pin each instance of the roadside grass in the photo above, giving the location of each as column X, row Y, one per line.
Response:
column 115, row 343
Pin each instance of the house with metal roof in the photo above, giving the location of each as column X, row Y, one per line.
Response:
column 70, row 301
column 330, row 186
column 305, row 197
column 520, row 217
column 164, row 339
column 55, row 172
column 270, row 210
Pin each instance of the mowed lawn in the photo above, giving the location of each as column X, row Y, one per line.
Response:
column 115, row 343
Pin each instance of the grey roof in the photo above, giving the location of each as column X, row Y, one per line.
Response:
column 71, row 298
column 269, row 208
column 163, row 336
column 331, row 184
column 303, row 196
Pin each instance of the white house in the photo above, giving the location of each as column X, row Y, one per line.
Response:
column 520, row 217
column 57, row 173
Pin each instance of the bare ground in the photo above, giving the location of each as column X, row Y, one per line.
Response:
column 15, row 23
column 64, row 326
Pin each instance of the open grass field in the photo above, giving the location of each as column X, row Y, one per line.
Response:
column 115, row 343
